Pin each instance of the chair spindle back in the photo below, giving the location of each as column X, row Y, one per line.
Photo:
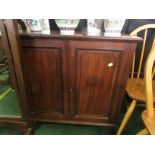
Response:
column 145, row 29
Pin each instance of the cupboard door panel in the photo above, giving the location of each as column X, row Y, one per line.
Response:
column 45, row 81
column 93, row 72
column 94, row 77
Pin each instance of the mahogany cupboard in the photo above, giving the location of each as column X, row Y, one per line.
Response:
column 78, row 79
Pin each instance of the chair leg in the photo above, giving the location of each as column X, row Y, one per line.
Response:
column 143, row 132
column 127, row 116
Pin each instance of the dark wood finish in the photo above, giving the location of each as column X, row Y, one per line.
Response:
column 14, row 55
column 92, row 80
column 75, row 122
column 16, row 123
column 1, row 46
column 76, row 66
column 78, row 36
column 10, row 44
column 47, row 89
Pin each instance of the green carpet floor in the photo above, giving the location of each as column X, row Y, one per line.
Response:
column 9, row 131
column 9, row 105
column 134, row 125
column 4, row 75
column 61, row 129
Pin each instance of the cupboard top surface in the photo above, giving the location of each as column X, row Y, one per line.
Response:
column 78, row 36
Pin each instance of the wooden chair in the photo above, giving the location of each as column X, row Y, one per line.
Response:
column 148, row 115
column 135, row 86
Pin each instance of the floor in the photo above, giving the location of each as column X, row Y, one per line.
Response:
column 8, row 105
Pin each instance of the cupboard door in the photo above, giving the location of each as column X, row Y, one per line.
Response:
column 93, row 72
column 45, row 74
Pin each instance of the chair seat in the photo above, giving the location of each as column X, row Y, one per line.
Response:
column 149, row 122
column 136, row 89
